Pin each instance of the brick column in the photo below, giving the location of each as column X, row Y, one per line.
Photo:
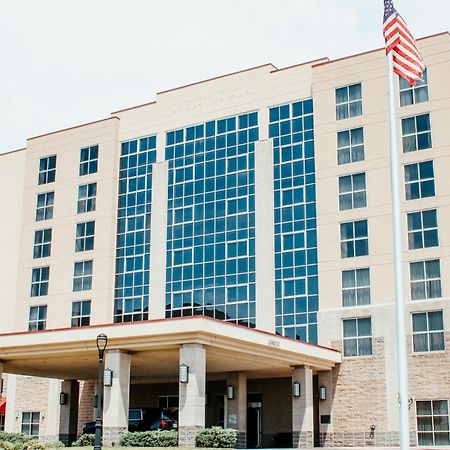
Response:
column 191, row 417
column 237, row 407
column 68, row 416
column 116, row 397
column 86, row 403
column 302, row 409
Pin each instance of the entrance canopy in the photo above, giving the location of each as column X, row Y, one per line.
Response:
column 154, row 347
column 2, row 405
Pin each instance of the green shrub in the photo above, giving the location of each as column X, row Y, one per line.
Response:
column 216, row 437
column 56, row 444
column 13, row 441
column 156, row 438
column 14, row 438
column 33, row 445
column 85, row 440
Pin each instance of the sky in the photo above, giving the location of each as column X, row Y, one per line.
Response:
column 67, row 62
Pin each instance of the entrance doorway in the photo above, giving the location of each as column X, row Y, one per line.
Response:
column 254, row 420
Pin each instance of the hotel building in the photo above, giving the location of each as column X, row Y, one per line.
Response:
column 240, row 226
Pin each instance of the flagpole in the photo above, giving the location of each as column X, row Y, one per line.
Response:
column 402, row 364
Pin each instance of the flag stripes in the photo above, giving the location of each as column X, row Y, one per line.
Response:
column 408, row 63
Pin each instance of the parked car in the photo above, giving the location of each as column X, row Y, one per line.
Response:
column 144, row 419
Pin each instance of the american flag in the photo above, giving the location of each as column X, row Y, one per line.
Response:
column 407, row 61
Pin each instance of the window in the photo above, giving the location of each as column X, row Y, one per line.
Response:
column 410, row 95
column 425, row 279
column 84, row 239
column 44, row 206
column 419, row 180
column 81, row 313
column 2, row 422
column 428, row 331
column 42, row 243
column 356, row 287
column 82, row 276
column 354, row 239
column 86, row 198
column 348, row 102
column 47, row 170
column 358, row 337
column 416, row 133
column 168, row 401
column 39, row 281
column 88, row 160
column 352, row 191
column 432, row 422
column 422, row 229
column 237, row 205
column 350, row 146
column 237, row 249
column 38, row 318
column 30, row 423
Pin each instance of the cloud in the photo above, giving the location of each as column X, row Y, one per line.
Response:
column 70, row 62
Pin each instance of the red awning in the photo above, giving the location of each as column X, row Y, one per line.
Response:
column 2, row 405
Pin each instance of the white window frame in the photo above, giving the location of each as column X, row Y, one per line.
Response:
column 29, row 425
column 431, row 417
column 356, row 287
column 353, row 191
column 426, row 279
column 348, row 102
column 357, row 337
column 350, row 146
column 428, row 333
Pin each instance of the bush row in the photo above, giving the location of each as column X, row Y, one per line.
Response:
column 19, row 441
column 215, row 437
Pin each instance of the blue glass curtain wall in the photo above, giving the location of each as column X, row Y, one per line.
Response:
column 131, row 299
column 296, row 283
column 211, row 220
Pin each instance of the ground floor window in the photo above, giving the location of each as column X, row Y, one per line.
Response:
column 2, row 422
column 432, row 422
column 168, row 401
column 30, row 423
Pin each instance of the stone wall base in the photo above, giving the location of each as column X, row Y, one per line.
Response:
column 112, row 435
column 303, row 439
column 49, row 439
column 241, row 440
column 377, row 439
column 186, row 435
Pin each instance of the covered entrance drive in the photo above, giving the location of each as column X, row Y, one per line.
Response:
column 238, row 376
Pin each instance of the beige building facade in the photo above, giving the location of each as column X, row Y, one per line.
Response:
column 240, row 226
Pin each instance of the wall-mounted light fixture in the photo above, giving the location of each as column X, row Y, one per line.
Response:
column 108, row 377
column 296, row 389
column 230, row 392
column 322, row 393
column 184, row 373
column 62, row 398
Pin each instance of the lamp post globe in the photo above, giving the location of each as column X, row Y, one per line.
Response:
column 102, row 342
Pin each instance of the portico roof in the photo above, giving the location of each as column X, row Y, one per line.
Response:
column 154, row 345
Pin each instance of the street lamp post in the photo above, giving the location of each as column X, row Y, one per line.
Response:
column 102, row 341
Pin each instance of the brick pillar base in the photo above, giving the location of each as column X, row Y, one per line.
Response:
column 363, row 439
column 303, row 439
column 112, row 435
column 241, row 440
column 186, row 435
